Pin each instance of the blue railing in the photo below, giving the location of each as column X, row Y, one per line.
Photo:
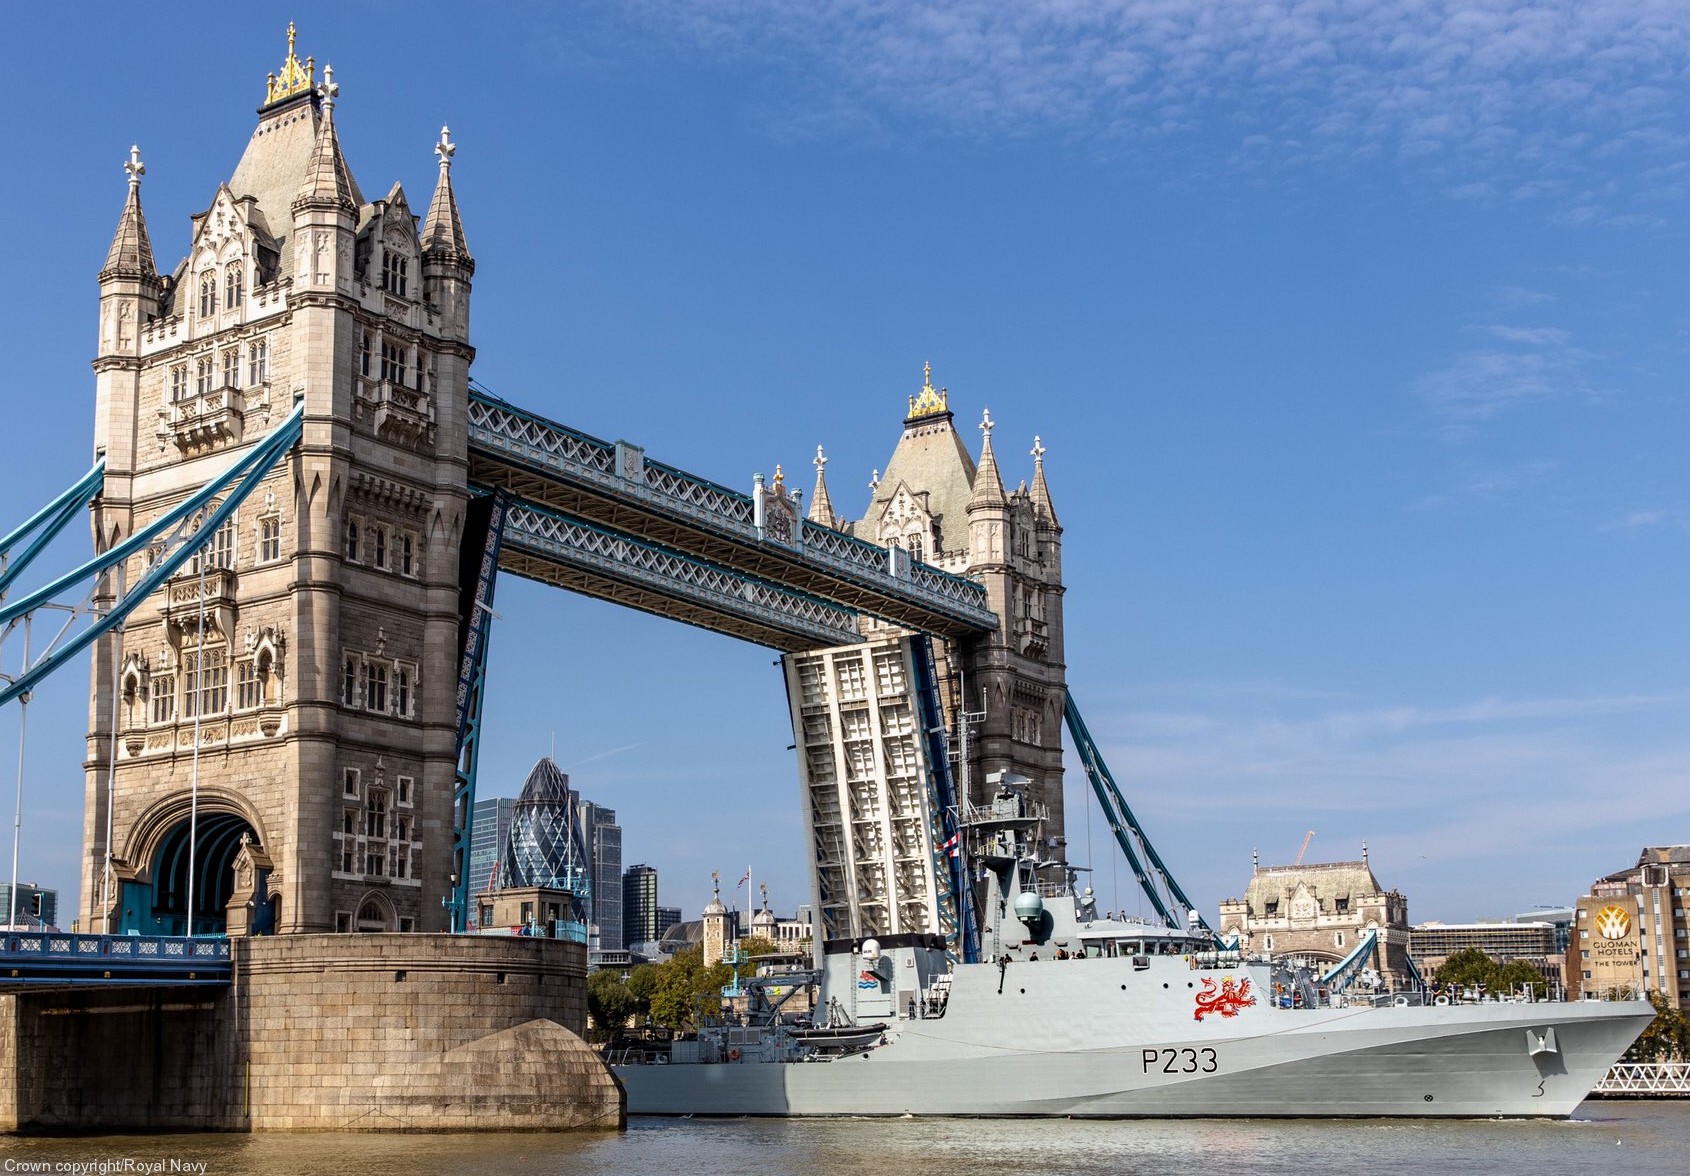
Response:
column 60, row 957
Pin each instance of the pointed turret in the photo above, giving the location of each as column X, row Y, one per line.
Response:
column 988, row 485
column 131, row 252
column 446, row 263
column 821, row 506
column 443, row 232
column 717, row 937
column 1042, row 507
column 328, row 185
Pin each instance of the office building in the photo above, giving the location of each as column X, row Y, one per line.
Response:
column 487, row 839
column 602, row 837
column 1630, row 931
column 639, row 905
column 36, row 907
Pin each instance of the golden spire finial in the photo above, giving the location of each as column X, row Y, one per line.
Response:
column 294, row 78
column 780, row 480
column 929, row 401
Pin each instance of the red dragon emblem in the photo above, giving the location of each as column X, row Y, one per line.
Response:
column 1226, row 1000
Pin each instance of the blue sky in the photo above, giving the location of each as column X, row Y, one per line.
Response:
column 1356, row 333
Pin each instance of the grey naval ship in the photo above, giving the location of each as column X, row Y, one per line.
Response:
column 1071, row 1014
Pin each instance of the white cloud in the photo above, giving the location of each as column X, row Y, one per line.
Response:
column 1477, row 386
column 1514, row 297
column 1647, row 519
column 1530, row 91
column 1482, row 792
column 1531, row 336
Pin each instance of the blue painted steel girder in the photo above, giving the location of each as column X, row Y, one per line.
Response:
column 615, row 487
column 545, row 545
column 33, row 961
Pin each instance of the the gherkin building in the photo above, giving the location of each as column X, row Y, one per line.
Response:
column 545, row 846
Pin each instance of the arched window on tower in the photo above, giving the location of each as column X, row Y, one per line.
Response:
column 233, row 288
column 395, row 271
column 208, row 293
column 372, row 917
column 917, row 551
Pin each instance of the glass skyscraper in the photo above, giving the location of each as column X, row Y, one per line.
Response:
column 487, row 840
column 545, row 846
column 604, row 842
column 639, row 905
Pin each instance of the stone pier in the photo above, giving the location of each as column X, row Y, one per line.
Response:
column 320, row 1033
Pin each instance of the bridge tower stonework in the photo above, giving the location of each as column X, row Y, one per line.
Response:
column 290, row 678
column 941, row 507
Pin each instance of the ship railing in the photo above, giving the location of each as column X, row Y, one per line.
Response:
column 1108, row 917
column 1007, row 810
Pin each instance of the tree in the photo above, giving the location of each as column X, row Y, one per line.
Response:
column 611, row 1003
column 642, row 983
column 1517, row 974
column 683, row 985
column 1467, row 968
column 1667, row 1039
column 1472, row 968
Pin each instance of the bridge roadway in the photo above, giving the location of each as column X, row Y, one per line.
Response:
column 600, row 518
column 38, row 961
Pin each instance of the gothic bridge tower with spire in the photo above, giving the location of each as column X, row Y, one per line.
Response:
column 272, row 698
column 936, row 503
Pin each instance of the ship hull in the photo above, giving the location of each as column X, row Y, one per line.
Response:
column 997, row 1053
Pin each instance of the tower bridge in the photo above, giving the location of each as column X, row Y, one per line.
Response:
column 310, row 501
column 301, row 507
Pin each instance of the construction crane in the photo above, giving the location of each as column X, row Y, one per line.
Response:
column 1307, row 837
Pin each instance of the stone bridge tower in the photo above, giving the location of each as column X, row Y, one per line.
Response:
column 294, row 677
column 935, row 502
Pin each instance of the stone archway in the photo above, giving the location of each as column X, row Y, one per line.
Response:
column 159, row 905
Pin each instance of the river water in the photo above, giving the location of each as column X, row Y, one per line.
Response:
column 1605, row 1137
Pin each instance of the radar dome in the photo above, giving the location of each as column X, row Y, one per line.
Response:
column 1028, row 906
column 871, row 949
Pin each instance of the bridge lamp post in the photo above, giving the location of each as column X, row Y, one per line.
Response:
column 452, row 903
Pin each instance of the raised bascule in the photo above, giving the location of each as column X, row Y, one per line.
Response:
column 301, row 504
